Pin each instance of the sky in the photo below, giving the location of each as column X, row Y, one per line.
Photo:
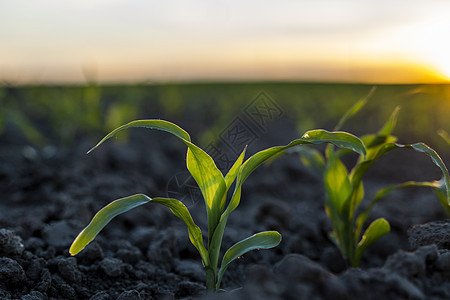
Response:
column 108, row 41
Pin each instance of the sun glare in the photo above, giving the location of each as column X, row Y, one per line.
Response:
column 431, row 41
column 444, row 66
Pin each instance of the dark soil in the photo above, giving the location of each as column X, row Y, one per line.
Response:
column 49, row 195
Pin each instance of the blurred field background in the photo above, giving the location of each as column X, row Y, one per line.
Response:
column 61, row 115
column 74, row 70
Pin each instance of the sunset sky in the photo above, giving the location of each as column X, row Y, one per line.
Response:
column 53, row 41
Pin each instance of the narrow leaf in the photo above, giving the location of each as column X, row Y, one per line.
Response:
column 354, row 109
column 216, row 233
column 338, row 138
column 444, row 135
column 201, row 166
column 262, row 240
column 106, row 214
column 211, row 183
column 389, row 126
column 232, row 173
column 421, row 147
column 207, row 175
column 389, row 189
column 337, row 183
column 374, row 142
column 440, row 193
column 442, row 185
column 312, row 159
column 152, row 124
column 375, row 231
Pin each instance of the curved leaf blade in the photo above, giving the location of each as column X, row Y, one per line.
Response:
column 421, row 147
column 211, row 183
column 152, row 124
column 199, row 163
column 389, row 126
column 354, row 109
column 437, row 185
column 216, row 233
column 208, row 177
column 312, row 159
column 319, row 136
column 337, row 183
column 262, row 240
column 444, row 135
column 232, row 173
column 119, row 206
column 341, row 139
column 374, row 232
column 103, row 217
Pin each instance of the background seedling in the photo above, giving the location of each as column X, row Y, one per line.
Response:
column 444, row 135
column 214, row 187
column 440, row 193
column 344, row 190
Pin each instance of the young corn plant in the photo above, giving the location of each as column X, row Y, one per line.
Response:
column 214, row 187
column 344, row 190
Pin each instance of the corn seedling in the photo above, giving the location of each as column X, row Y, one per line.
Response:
column 214, row 187
column 344, row 190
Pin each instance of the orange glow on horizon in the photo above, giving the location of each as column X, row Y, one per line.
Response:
column 296, row 41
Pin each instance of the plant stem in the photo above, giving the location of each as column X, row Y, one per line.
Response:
column 210, row 279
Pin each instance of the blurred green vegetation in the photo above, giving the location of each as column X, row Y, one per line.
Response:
column 62, row 114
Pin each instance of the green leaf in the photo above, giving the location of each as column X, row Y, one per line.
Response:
column 152, row 124
column 337, row 183
column 421, row 147
column 374, row 142
column 442, row 185
column 232, row 173
column 119, row 206
column 341, row 139
column 210, row 181
column 216, row 232
column 389, row 126
column 376, row 230
column 201, row 166
column 354, row 109
column 437, row 185
column 444, row 135
column 442, row 197
column 356, row 197
column 312, row 159
column 262, row 240
column 338, row 138
column 361, row 168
